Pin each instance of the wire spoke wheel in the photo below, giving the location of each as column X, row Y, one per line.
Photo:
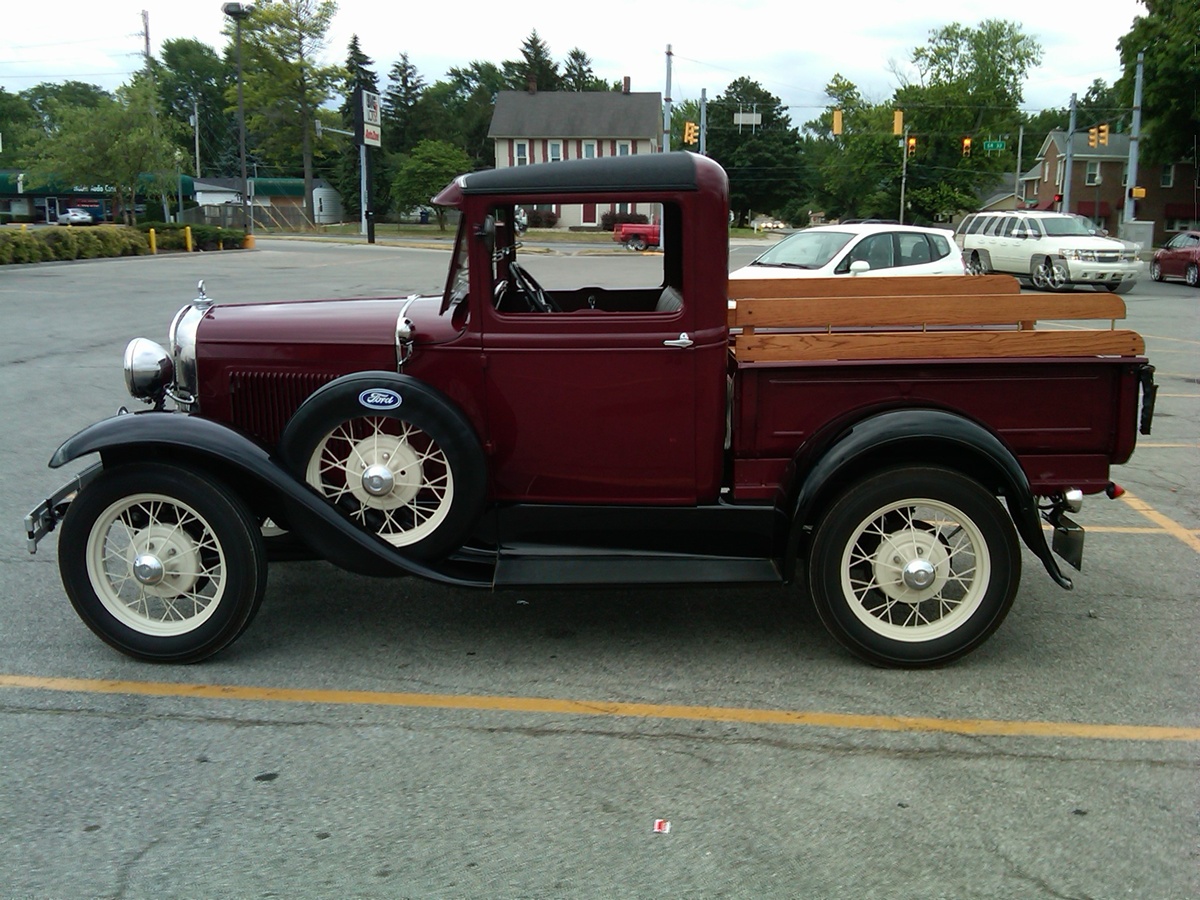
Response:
column 914, row 566
column 915, row 570
column 390, row 476
column 161, row 562
column 156, row 564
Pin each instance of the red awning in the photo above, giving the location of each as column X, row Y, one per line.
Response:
column 1088, row 208
column 1182, row 210
column 1046, row 204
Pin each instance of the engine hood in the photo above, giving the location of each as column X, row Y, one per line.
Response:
column 358, row 322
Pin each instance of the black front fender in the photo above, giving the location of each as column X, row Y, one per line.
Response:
column 914, row 436
column 209, row 446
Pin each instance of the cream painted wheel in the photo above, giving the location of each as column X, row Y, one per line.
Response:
column 914, row 566
column 387, row 474
column 163, row 563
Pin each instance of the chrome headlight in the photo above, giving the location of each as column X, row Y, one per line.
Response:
column 181, row 338
column 148, row 370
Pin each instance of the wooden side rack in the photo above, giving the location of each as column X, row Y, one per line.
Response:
column 918, row 317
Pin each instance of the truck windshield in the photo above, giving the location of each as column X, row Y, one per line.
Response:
column 805, row 250
column 1067, row 226
column 457, row 281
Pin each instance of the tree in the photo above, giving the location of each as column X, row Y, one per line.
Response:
column 459, row 110
column 122, row 142
column 283, row 82
column 346, row 174
column 424, row 172
column 19, row 125
column 578, row 75
column 536, row 66
column 47, row 99
column 405, row 86
column 193, row 79
column 1169, row 37
column 762, row 160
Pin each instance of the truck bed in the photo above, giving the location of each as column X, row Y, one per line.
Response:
column 811, row 355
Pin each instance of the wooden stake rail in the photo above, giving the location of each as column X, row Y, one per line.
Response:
column 973, row 317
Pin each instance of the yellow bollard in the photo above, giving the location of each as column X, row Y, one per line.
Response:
column 248, row 242
column 187, row 237
column 153, row 244
column 23, row 226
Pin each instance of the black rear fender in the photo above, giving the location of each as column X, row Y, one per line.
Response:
column 830, row 463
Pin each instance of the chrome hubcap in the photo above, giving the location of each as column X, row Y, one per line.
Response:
column 148, row 569
column 378, row 480
column 919, row 574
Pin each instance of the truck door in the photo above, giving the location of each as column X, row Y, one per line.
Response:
column 593, row 401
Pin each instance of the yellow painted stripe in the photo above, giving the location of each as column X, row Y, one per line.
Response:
column 552, row 706
column 1169, row 525
column 1179, row 396
column 1157, row 445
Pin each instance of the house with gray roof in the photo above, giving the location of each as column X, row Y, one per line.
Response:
column 538, row 127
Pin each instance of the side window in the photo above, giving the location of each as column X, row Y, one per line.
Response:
column 1010, row 225
column 991, row 226
column 875, row 250
column 914, row 249
column 941, row 246
column 525, row 283
column 1034, row 229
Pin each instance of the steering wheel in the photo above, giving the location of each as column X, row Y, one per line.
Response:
column 535, row 295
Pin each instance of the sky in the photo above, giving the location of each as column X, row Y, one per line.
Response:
column 790, row 47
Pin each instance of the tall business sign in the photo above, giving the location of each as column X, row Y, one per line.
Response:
column 368, row 132
column 369, row 124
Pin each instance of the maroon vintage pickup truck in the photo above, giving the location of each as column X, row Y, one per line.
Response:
column 883, row 444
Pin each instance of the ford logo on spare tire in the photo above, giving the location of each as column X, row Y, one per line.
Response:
column 379, row 398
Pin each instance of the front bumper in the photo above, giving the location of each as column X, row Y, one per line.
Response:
column 1086, row 272
column 43, row 518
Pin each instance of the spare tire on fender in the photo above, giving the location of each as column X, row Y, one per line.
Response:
column 396, row 455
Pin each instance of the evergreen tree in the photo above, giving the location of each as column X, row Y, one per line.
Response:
column 405, row 86
column 535, row 66
column 345, row 174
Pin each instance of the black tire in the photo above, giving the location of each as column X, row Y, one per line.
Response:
column 1156, row 271
column 1191, row 275
column 199, row 573
column 637, row 242
column 932, row 525
column 976, row 265
column 414, row 474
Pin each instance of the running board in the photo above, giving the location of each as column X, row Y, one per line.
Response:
column 632, row 570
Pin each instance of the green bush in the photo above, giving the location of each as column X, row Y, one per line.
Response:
column 171, row 236
column 49, row 244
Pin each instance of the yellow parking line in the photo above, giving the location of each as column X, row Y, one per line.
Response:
column 1169, row 525
column 1157, row 445
column 552, row 706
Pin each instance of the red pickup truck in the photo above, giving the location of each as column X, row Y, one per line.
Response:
column 883, row 444
column 636, row 235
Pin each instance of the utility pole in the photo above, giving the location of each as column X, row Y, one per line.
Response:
column 146, row 35
column 1066, row 185
column 1017, row 183
column 1134, row 134
column 704, row 121
column 196, row 127
column 667, row 106
column 903, row 171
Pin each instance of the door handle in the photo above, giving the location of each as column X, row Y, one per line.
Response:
column 683, row 342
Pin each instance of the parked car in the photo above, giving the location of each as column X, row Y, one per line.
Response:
column 866, row 249
column 1053, row 251
column 1178, row 258
column 75, row 216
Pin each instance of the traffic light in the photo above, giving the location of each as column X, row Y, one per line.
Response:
column 1058, row 198
column 912, row 146
column 689, row 132
column 966, row 146
column 1094, row 136
column 1103, row 133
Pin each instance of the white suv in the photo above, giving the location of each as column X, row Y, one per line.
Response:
column 1053, row 250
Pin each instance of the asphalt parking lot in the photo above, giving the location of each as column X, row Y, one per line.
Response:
column 391, row 738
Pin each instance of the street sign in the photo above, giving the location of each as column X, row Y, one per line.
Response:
column 372, row 119
column 993, row 145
